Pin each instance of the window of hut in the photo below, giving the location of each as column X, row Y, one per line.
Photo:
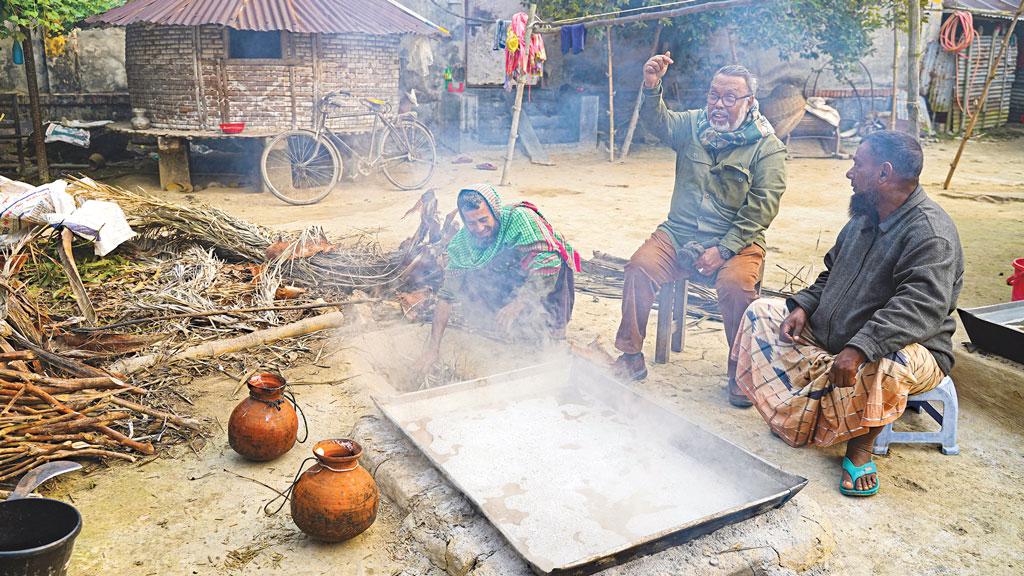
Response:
column 253, row 45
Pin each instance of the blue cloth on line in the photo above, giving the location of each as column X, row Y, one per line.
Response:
column 501, row 34
column 574, row 37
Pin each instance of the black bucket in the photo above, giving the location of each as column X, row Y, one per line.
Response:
column 36, row 536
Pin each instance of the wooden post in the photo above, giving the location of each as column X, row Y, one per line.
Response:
column 198, row 71
column 174, row 169
column 664, row 335
column 914, row 67
column 895, row 66
column 984, row 95
column 38, row 136
column 517, row 108
column 679, row 315
column 316, row 80
column 639, row 101
column 611, row 101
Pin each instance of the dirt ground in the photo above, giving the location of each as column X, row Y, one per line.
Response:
column 183, row 513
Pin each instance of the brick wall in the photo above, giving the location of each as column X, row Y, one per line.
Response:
column 161, row 75
column 367, row 66
column 266, row 95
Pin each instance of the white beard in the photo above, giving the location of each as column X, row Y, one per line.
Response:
column 726, row 126
column 720, row 126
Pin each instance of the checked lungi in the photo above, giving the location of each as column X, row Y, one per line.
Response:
column 789, row 383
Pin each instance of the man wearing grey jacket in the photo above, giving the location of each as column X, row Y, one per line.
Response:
column 837, row 361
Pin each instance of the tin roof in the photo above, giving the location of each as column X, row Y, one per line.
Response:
column 377, row 17
column 991, row 8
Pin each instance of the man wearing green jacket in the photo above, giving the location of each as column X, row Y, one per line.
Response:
column 730, row 176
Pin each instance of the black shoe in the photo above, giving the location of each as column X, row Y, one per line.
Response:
column 630, row 367
column 736, row 396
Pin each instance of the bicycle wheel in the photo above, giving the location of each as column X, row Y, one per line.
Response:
column 300, row 168
column 408, row 155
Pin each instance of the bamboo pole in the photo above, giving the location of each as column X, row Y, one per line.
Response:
column 229, row 345
column 914, row 67
column 639, row 102
column 611, row 101
column 895, row 66
column 984, row 95
column 517, row 108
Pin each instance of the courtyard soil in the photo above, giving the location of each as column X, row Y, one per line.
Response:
column 183, row 513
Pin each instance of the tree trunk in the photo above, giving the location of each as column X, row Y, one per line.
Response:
column 38, row 136
column 914, row 67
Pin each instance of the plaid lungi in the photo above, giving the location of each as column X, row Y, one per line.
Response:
column 789, row 383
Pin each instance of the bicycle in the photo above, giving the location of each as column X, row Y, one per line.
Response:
column 303, row 166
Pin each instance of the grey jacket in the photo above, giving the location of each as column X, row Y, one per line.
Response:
column 890, row 284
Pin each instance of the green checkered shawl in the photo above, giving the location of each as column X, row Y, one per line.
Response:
column 520, row 226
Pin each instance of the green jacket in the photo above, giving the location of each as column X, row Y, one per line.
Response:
column 732, row 198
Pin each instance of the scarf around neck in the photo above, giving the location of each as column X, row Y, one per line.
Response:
column 753, row 128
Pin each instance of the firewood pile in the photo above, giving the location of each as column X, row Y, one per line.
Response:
column 95, row 352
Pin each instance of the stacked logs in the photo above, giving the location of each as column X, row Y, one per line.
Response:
column 45, row 418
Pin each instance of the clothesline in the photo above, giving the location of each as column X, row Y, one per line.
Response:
column 545, row 28
column 579, row 19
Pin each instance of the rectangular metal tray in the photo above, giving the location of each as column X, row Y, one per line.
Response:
column 579, row 472
column 993, row 328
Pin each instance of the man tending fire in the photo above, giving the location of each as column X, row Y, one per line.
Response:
column 730, row 176
column 836, row 362
column 507, row 270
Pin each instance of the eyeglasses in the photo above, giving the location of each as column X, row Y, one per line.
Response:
column 729, row 100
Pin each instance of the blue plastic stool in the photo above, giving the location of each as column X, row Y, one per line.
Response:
column 945, row 392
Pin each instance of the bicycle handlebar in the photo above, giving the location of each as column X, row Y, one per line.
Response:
column 330, row 95
column 328, row 103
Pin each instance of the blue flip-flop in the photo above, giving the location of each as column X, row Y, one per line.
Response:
column 855, row 473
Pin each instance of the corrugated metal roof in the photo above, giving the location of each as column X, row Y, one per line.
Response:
column 993, row 8
column 308, row 16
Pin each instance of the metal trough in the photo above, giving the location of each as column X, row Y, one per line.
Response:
column 579, row 472
column 998, row 328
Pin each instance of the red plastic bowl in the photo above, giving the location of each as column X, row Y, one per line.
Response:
column 232, row 127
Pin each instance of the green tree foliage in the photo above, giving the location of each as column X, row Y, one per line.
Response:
column 837, row 31
column 53, row 16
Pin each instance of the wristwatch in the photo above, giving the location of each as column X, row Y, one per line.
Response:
column 725, row 252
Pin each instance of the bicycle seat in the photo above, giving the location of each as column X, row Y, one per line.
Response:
column 374, row 102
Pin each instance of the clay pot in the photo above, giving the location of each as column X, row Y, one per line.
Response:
column 336, row 499
column 139, row 120
column 264, row 425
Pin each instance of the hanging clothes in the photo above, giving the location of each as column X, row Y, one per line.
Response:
column 501, row 34
column 532, row 57
column 574, row 37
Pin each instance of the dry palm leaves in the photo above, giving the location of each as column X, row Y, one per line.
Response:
column 307, row 259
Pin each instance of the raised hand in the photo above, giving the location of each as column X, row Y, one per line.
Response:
column 655, row 68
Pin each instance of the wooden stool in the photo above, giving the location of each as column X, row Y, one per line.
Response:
column 672, row 296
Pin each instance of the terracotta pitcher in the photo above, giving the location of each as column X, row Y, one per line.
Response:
column 336, row 499
column 264, row 425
